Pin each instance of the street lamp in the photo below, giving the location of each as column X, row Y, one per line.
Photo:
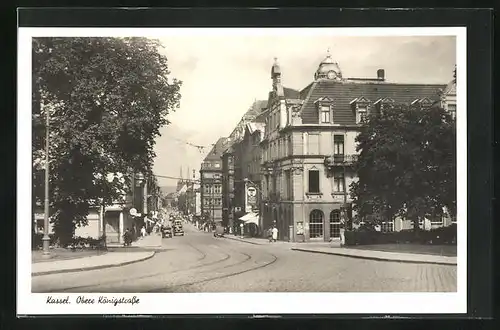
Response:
column 46, row 238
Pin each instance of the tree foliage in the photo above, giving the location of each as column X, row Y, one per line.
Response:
column 107, row 99
column 407, row 164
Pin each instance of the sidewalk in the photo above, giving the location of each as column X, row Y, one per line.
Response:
column 112, row 259
column 381, row 255
column 334, row 248
column 149, row 241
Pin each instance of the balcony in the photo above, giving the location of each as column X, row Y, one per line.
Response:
column 340, row 160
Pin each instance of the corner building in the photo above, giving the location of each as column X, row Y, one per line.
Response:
column 309, row 147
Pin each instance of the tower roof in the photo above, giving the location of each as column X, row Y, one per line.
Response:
column 326, row 66
column 275, row 70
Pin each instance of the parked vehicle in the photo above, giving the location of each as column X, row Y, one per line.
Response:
column 219, row 231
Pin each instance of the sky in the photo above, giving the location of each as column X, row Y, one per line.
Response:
column 223, row 74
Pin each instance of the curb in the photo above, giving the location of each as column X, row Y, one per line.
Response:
column 241, row 240
column 73, row 270
column 378, row 258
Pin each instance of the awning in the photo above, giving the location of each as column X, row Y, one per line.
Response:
column 250, row 217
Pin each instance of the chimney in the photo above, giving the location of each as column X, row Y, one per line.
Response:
column 381, row 74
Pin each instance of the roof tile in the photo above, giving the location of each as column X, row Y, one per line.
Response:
column 344, row 92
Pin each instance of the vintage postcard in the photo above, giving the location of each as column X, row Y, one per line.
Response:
column 242, row 170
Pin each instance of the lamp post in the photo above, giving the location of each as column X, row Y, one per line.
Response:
column 46, row 238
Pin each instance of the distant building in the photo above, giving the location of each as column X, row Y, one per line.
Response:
column 235, row 161
column 308, row 147
column 211, row 182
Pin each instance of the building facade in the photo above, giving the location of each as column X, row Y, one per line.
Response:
column 211, row 183
column 112, row 220
column 234, row 162
column 309, row 147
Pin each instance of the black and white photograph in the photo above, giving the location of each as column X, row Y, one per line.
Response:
column 230, row 170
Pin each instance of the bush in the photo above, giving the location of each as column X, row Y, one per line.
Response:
column 438, row 236
column 76, row 243
column 37, row 241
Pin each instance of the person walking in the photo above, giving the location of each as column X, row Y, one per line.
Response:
column 143, row 231
column 270, row 235
column 275, row 234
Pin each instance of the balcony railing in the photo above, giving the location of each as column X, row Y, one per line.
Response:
column 340, row 159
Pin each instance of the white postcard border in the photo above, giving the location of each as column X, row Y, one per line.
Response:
column 236, row 303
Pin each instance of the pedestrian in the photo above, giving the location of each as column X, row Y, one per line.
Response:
column 275, row 234
column 143, row 231
column 270, row 234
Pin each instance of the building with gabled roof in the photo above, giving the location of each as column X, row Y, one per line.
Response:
column 211, row 182
column 308, row 147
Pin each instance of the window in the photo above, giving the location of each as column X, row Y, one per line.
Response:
column 452, row 109
column 361, row 115
column 387, row 226
column 217, row 165
column 207, row 189
column 288, row 183
column 316, row 224
column 325, row 114
column 313, row 181
column 217, row 189
column 313, row 144
column 338, row 181
column 335, row 223
column 338, row 145
column 206, row 201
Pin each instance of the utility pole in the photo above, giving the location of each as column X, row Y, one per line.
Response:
column 46, row 238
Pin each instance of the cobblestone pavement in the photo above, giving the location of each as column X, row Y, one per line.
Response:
column 198, row 262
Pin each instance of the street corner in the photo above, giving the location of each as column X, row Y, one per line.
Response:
column 109, row 260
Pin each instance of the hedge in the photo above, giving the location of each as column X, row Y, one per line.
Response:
column 439, row 236
column 77, row 242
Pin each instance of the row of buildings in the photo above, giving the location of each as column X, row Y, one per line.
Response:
column 289, row 160
column 114, row 219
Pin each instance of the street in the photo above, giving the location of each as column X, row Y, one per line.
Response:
column 198, row 262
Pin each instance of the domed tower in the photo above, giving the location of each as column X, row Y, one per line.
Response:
column 328, row 69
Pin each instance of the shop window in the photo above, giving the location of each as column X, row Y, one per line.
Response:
column 314, row 181
column 316, row 224
column 335, row 224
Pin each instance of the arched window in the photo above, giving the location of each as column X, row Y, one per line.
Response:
column 335, row 223
column 316, row 224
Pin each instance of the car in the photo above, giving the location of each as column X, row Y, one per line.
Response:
column 166, row 232
column 178, row 229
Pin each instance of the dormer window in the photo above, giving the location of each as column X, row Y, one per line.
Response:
column 381, row 103
column 325, row 114
column 325, row 110
column 423, row 102
column 361, row 106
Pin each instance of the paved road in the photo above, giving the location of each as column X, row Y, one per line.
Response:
column 198, row 262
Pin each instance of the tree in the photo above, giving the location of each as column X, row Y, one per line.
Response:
column 407, row 164
column 107, row 99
